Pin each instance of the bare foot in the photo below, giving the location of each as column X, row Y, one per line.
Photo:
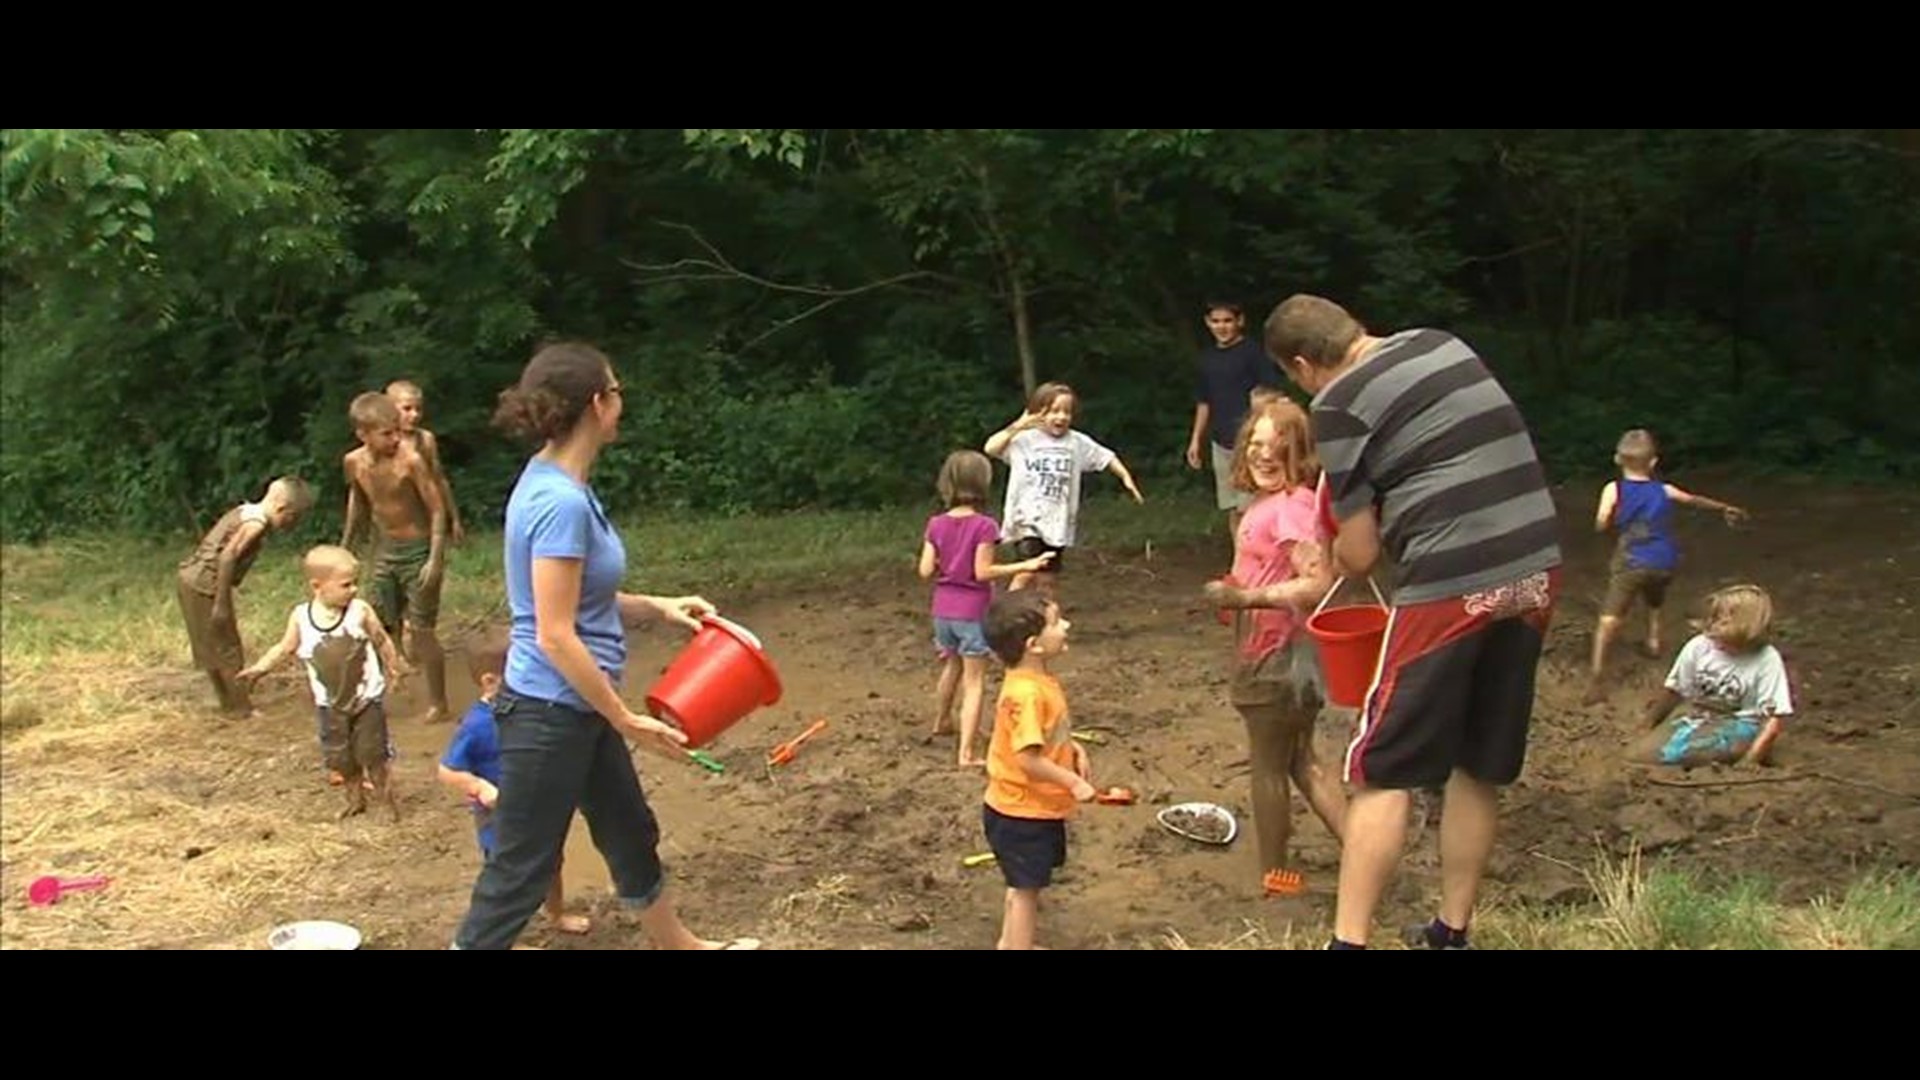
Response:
column 572, row 924
column 1596, row 693
column 972, row 762
column 739, row 944
column 437, row 715
column 1650, row 650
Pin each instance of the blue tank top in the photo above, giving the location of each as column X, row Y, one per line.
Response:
column 1642, row 517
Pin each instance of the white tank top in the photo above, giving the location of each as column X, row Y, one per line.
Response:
column 342, row 665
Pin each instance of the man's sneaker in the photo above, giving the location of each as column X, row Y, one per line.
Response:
column 1415, row 937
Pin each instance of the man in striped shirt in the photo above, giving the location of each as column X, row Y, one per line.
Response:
column 1426, row 455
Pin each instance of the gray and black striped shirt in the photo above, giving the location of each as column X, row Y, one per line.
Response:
column 1424, row 431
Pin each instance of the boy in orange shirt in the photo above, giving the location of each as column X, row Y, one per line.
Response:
column 1036, row 772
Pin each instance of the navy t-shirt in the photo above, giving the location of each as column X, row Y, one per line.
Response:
column 1227, row 376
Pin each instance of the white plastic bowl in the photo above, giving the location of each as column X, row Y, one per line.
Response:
column 314, row 935
column 1202, row 809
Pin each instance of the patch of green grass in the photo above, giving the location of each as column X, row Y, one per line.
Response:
column 1878, row 911
column 115, row 595
column 1668, row 906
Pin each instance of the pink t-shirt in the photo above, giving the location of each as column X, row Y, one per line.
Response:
column 1263, row 555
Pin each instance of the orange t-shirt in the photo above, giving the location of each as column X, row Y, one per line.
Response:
column 1032, row 712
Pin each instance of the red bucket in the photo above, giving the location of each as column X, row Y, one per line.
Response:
column 1350, row 639
column 720, row 677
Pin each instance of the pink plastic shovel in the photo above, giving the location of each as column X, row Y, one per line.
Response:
column 49, row 890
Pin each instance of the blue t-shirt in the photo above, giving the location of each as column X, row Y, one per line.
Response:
column 475, row 748
column 550, row 515
column 1643, row 515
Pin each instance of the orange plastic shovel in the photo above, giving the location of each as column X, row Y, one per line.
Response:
column 786, row 751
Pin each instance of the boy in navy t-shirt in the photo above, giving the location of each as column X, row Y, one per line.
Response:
column 1639, row 507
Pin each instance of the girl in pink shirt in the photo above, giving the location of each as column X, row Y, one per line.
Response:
column 1280, row 571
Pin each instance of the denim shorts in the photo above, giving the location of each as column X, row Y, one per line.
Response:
column 964, row 637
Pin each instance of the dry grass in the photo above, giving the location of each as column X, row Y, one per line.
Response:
column 826, row 897
column 116, row 774
column 1252, row 935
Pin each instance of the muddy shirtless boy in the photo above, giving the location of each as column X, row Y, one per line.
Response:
column 412, row 403
column 387, row 478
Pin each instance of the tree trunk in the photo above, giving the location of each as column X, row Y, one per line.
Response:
column 1022, row 329
column 1016, row 283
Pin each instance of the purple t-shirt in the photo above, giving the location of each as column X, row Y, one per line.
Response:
column 957, row 594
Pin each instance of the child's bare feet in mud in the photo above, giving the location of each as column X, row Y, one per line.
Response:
column 437, row 715
column 968, row 761
column 739, row 944
column 572, row 924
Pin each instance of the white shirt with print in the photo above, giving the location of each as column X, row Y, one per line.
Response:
column 1043, row 489
column 1753, row 683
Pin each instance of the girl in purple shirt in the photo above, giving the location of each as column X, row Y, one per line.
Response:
column 956, row 553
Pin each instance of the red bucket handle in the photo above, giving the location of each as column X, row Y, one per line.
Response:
column 1337, row 582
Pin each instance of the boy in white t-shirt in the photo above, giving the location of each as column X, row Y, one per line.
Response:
column 1733, row 686
column 1045, row 457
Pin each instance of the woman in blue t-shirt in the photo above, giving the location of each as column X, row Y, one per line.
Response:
column 563, row 726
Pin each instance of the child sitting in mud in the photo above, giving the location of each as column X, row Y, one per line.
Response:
column 1731, row 686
